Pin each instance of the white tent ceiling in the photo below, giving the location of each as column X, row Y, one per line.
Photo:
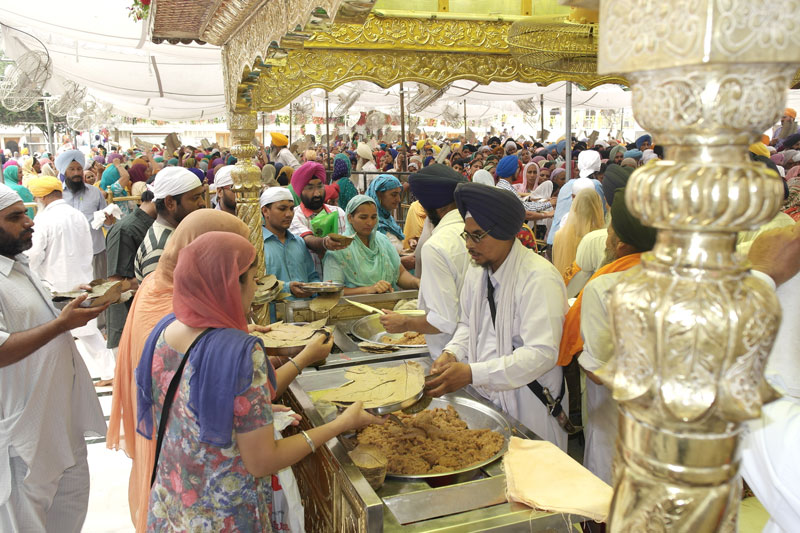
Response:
column 105, row 50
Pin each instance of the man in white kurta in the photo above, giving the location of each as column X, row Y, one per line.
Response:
column 626, row 239
column 47, row 401
column 769, row 449
column 445, row 261
column 281, row 153
column 61, row 256
column 500, row 357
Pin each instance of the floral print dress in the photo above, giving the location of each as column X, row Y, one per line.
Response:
column 200, row 487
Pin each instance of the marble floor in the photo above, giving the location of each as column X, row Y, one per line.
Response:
column 108, row 495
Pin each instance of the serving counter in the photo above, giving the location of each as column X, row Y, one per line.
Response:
column 337, row 497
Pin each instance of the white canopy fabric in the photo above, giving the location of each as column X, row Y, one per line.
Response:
column 100, row 47
column 105, row 50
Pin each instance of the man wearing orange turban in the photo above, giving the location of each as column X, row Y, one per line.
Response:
column 788, row 126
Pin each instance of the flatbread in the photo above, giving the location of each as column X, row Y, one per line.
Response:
column 284, row 335
column 372, row 347
column 377, row 387
column 325, row 302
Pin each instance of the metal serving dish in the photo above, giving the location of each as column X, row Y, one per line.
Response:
column 370, row 329
column 322, row 286
column 477, row 416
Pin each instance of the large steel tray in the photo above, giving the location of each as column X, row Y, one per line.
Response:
column 477, row 416
column 370, row 329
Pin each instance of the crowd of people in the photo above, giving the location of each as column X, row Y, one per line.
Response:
column 513, row 245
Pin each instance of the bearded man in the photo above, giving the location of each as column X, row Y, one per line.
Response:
column 47, row 401
column 87, row 200
column 280, row 153
column 308, row 183
column 788, row 126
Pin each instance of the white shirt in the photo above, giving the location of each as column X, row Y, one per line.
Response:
column 47, row 400
column 600, row 422
column 301, row 226
column 446, row 261
column 538, row 307
column 365, row 179
column 62, row 251
column 287, row 159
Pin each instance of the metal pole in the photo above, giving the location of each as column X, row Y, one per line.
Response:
column 568, row 118
column 50, row 145
column 622, row 124
column 290, row 124
column 263, row 129
column 402, row 116
column 466, row 137
column 541, row 108
column 327, row 130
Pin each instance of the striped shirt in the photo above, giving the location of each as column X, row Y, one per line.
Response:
column 151, row 249
column 530, row 205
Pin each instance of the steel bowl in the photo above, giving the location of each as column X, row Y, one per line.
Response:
column 370, row 329
column 477, row 416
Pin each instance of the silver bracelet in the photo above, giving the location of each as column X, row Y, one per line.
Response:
column 299, row 370
column 309, row 441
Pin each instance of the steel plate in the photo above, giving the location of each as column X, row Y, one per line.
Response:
column 322, row 287
column 477, row 416
column 370, row 329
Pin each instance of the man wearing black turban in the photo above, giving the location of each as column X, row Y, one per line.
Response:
column 444, row 260
column 512, row 308
column 589, row 319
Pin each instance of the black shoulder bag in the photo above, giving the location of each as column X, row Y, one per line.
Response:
column 169, row 397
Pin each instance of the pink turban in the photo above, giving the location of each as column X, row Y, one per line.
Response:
column 777, row 158
column 307, row 172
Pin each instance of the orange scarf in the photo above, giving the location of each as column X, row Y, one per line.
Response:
column 571, row 340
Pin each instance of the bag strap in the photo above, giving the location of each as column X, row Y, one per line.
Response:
column 168, row 399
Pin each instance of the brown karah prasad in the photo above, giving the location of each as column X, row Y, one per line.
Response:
column 434, row 441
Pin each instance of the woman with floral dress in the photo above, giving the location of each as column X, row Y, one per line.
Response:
column 219, row 449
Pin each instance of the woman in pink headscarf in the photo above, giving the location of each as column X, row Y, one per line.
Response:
column 219, row 448
column 530, row 179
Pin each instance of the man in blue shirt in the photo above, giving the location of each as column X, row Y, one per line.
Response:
column 285, row 254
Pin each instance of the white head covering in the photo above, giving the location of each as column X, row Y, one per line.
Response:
column 223, row 176
column 8, row 196
column 65, row 158
column 588, row 163
column 648, row 155
column 581, row 184
column 173, row 181
column 275, row 194
column 364, row 151
column 483, row 176
column 510, row 143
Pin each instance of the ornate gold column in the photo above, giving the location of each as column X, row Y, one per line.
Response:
column 692, row 327
column 247, row 186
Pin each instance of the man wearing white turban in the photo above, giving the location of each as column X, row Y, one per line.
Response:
column 47, row 401
column 366, row 162
column 87, row 200
column 177, row 192
column 285, row 254
column 223, row 182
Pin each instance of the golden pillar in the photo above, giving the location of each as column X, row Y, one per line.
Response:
column 692, row 327
column 247, row 187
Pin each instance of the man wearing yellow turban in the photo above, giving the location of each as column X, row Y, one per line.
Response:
column 62, row 255
column 280, row 152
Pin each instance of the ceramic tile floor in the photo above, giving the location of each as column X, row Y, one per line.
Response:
column 108, row 496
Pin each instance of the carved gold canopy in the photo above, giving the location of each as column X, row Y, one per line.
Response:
column 388, row 50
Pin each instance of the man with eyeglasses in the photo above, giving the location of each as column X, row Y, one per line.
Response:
column 444, row 260
column 512, row 311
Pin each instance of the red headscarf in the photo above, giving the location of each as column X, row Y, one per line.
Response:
column 207, row 293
